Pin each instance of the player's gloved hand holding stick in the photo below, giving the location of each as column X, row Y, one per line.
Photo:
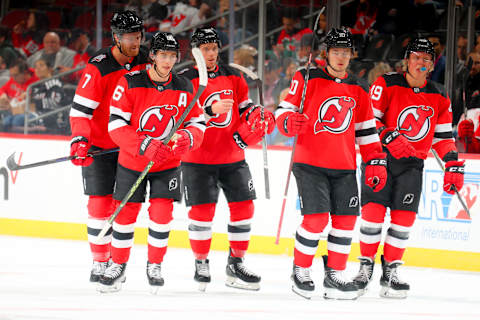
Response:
column 79, row 149
column 376, row 171
column 397, row 144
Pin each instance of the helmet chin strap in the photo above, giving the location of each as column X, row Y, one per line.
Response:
column 329, row 65
column 158, row 73
column 119, row 46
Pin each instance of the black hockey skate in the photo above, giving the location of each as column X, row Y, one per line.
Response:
column 238, row 276
column 302, row 282
column 392, row 286
column 154, row 275
column 336, row 287
column 202, row 274
column 98, row 269
column 112, row 279
column 364, row 276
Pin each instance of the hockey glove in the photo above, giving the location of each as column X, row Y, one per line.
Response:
column 465, row 130
column 295, row 123
column 376, row 172
column 255, row 118
column 397, row 144
column 247, row 136
column 453, row 176
column 79, row 148
column 183, row 141
column 153, row 149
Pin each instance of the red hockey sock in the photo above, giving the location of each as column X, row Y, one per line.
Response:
column 123, row 230
column 307, row 237
column 340, row 241
column 241, row 214
column 160, row 213
column 200, row 229
column 100, row 208
column 373, row 215
column 397, row 234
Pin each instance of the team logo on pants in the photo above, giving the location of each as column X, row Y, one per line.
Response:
column 250, row 185
column 414, row 122
column 408, row 199
column 172, row 184
column 335, row 115
column 353, row 202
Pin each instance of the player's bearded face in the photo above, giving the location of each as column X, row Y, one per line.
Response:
column 419, row 64
column 130, row 43
column 210, row 54
column 339, row 58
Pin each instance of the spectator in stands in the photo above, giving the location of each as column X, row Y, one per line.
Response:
column 286, row 75
column 305, row 49
column 366, row 15
column 4, row 73
column 473, row 80
column 49, row 96
column 400, row 66
column 270, row 79
column 422, row 16
column 27, row 35
column 468, row 81
column 379, row 69
column 392, row 17
column 477, row 43
column 13, row 94
column 151, row 11
column 80, row 43
column 7, row 51
column 289, row 38
column 245, row 56
column 438, row 73
column 61, row 58
column 462, row 43
column 186, row 15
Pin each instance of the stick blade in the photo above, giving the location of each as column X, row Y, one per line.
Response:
column 11, row 163
column 202, row 68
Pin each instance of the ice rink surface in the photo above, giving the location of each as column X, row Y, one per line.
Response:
column 48, row 279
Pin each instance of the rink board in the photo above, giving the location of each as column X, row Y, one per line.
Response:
column 48, row 202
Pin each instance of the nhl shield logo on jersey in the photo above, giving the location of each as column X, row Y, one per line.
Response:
column 220, row 120
column 335, row 115
column 157, row 121
column 414, row 122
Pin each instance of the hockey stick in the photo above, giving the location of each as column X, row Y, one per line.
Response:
column 259, row 84
column 14, row 166
column 203, row 80
column 454, row 188
column 302, row 101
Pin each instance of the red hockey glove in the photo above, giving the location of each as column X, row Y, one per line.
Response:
column 465, row 130
column 183, row 141
column 295, row 123
column 397, row 144
column 153, row 149
column 376, row 171
column 255, row 117
column 79, row 148
column 246, row 136
column 453, row 176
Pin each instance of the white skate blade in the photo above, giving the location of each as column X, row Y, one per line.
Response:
column 239, row 284
column 302, row 293
column 115, row 287
column 154, row 289
column 361, row 292
column 386, row 292
column 202, row 286
column 336, row 294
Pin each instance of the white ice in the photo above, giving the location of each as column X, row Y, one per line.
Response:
column 48, row 279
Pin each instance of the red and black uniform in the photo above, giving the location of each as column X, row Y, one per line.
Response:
column 423, row 116
column 142, row 107
column 339, row 116
column 89, row 118
column 219, row 161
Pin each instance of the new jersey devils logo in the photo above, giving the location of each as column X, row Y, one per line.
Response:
column 414, row 122
column 220, row 120
column 157, row 121
column 335, row 115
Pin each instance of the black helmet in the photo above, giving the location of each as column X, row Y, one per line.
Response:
column 204, row 35
column 126, row 22
column 164, row 41
column 420, row 45
column 339, row 38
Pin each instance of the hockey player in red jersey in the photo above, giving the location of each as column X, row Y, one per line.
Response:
column 233, row 123
column 89, row 120
column 468, row 136
column 144, row 108
column 412, row 114
column 337, row 115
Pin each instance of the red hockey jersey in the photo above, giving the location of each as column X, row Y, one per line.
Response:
column 218, row 146
column 423, row 115
column 91, row 103
column 340, row 115
column 140, row 106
